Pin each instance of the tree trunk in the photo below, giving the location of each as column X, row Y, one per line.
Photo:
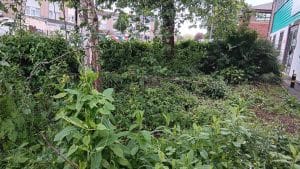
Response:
column 77, row 3
column 168, row 13
column 64, row 15
column 90, row 19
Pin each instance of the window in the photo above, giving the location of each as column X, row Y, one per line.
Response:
column 280, row 40
column 32, row 11
column 260, row 16
column 51, row 15
column 274, row 40
column 27, row 10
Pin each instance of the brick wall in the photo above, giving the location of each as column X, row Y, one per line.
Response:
column 261, row 27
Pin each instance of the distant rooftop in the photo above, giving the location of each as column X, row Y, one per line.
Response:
column 267, row 6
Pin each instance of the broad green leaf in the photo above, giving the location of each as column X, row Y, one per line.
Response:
column 282, row 161
column 108, row 93
column 99, row 148
column 75, row 121
column 109, row 106
column 134, row 150
column 147, row 136
column 104, row 111
column 72, row 92
column 118, row 151
column 4, row 63
column 101, row 127
column 62, row 134
column 86, row 140
column 204, row 154
column 72, row 150
column 96, row 160
column 134, row 126
column 296, row 166
column 105, row 164
column 124, row 162
column 293, row 150
column 161, row 156
column 82, row 164
column 20, row 158
column 59, row 96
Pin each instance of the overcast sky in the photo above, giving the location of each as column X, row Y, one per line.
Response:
column 257, row 2
column 185, row 30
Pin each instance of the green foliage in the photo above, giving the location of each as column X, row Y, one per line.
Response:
column 215, row 88
column 160, row 114
column 223, row 17
column 227, row 57
column 258, row 54
column 156, row 102
column 233, row 75
column 31, row 68
column 122, row 23
column 270, row 78
column 40, row 59
column 89, row 139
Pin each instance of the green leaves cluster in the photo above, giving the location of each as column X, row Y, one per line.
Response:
column 88, row 138
column 122, row 22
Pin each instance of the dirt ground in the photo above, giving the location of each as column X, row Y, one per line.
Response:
column 288, row 123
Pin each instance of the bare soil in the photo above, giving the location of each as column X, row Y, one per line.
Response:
column 288, row 123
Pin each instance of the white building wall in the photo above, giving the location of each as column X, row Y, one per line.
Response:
column 296, row 7
column 296, row 58
column 284, row 41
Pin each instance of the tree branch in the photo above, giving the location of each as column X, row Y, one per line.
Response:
column 57, row 152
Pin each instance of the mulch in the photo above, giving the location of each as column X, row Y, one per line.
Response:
column 288, row 123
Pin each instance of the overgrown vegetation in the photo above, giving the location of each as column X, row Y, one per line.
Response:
column 227, row 58
column 197, row 110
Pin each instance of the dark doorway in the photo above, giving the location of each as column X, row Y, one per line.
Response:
column 290, row 48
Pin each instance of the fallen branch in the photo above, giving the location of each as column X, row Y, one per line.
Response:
column 57, row 152
column 45, row 63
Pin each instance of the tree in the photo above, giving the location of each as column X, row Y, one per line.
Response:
column 89, row 23
column 168, row 11
column 123, row 22
column 223, row 17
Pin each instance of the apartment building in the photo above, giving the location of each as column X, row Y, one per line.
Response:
column 260, row 19
column 284, row 33
column 47, row 17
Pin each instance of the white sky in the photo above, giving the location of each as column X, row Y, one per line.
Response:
column 257, row 2
column 185, row 30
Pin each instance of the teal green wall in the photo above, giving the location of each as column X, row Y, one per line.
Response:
column 283, row 17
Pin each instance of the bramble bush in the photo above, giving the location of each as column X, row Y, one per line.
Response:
column 240, row 57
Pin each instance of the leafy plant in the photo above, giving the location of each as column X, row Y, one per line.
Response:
column 232, row 75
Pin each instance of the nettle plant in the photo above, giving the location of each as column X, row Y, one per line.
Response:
column 89, row 139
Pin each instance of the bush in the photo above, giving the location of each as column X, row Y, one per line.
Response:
column 232, row 75
column 210, row 86
column 156, row 102
column 41, row 60
column 241, row 56
column 215, row 88
column 252, row 55
column 270, row 78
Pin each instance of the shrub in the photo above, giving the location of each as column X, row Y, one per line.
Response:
column 232, row 75
column 156, row 102
column 40, row 59
column 203, row 85
column 241, row 56
column 270, row 78
column 215, row 88
column 254, row 56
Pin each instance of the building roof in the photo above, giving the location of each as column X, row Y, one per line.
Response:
column 267, row 6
